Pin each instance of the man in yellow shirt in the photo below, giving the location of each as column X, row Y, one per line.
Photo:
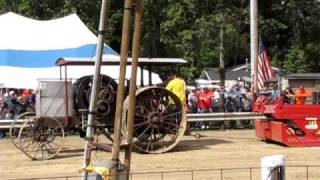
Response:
column 177, row 86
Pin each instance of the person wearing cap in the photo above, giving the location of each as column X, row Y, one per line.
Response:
column 301, row 95
column 2, row 116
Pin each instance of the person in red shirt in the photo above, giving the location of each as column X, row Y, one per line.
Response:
column 204, row 104
column 26, row 92
column 204, row 101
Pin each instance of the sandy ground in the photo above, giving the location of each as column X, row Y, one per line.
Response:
column 214, row 150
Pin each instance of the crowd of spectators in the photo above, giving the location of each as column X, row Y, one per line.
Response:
column 14, row 103
column 205, row 100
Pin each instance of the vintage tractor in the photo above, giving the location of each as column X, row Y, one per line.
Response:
column 288, row 124
column 62, row 107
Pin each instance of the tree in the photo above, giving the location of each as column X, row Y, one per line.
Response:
column 189, row 29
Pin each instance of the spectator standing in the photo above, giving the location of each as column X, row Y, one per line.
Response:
column 288, row 95
column 2, row 116
column 276, row 92
column 204, row 104
column 32, row 101
column 21, row 106
column 26, row 92
column 11, row 103
column 192, row 101
column 301, row 95
column 247, row 99
column 216, row 100
column 237, row 99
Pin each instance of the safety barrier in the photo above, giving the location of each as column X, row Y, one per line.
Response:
column 293, row 172
column 6, row 123
column 220, row 116
column 224, row 116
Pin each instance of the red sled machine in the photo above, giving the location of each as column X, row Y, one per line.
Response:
column 289, row 124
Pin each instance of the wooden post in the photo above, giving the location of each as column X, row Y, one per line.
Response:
column 273, row 167
column 121, row 85
column 132, row 90
column 95, row 87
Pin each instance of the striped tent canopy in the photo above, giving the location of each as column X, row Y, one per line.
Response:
column 29, row 48
column 32, row 43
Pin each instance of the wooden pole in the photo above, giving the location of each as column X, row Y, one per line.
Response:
column 121, row 85
column 254, row 43
column 132, row 90
column 95, row 87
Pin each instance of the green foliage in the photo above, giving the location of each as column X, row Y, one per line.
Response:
column 190, row 29
column 295, row 60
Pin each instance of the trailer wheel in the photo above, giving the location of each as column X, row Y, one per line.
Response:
column 17, row 124
column 41, row 138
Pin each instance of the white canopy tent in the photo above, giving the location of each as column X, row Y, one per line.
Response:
column 29, row 49
column 27, row 78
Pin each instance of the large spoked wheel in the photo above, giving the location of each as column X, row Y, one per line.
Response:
column 159, row 120
column 42, row 138
column 17, row 124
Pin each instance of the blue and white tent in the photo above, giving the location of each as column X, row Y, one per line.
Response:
column 26, row 42
column 29, row 49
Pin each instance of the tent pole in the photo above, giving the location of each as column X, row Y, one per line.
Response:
column 66, row 101
column 95, row 87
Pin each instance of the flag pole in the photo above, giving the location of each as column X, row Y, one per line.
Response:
column 254, row 44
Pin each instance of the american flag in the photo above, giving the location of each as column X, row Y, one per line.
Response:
column 265, row 70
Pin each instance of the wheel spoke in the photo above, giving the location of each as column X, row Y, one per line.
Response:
column 143, row 132
column 169, row 130
column 140, row 124
column 161, row 140
column 47, row 149
column 171, row 124
column 149, row 140
column 172, row 114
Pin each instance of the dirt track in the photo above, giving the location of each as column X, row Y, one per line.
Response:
column 215, row 150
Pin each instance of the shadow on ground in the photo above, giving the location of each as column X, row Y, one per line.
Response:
column 69, row 153
column 198, row 144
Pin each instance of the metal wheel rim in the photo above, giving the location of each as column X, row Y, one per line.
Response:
column 35, row 139
column 14, row 130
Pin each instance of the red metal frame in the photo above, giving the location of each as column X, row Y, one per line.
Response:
column 288, row 124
